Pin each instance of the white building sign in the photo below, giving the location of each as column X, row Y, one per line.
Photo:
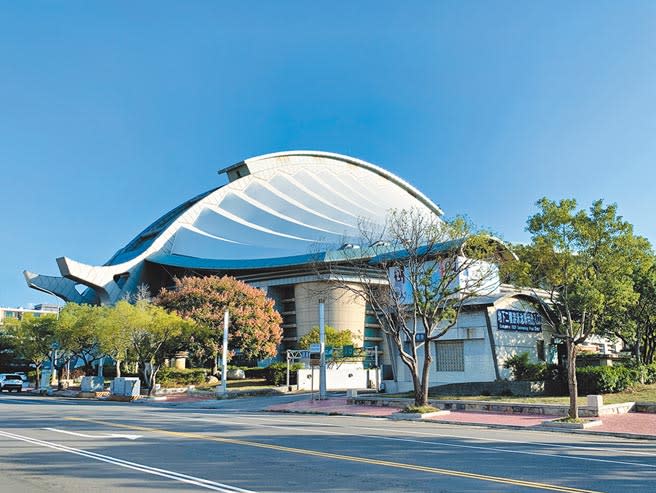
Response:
column 520, row 321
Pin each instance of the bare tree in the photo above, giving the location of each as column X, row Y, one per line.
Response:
column 417, row 273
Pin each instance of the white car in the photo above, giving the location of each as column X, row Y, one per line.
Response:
column 11, row 381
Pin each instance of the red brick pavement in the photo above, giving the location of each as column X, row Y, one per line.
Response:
column 633, row 423
column 640, row 423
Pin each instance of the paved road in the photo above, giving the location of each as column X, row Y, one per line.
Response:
column 49, row 444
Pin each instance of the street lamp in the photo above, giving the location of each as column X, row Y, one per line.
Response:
column 223, row 390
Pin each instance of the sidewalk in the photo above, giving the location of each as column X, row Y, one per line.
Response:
column 631, row 425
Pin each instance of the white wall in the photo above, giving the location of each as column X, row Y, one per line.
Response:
column 471, row 329
column 345, row 376
column 512, row 342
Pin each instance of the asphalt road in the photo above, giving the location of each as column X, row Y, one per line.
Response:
column 50, row 444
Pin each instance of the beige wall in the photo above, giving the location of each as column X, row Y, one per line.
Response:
column 342, row 308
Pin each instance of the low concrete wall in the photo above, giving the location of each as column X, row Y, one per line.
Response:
column 174, row 390
column 507, row 387
column 498, row 406
column 345, row 376
column 622, row 408
column 645, row 407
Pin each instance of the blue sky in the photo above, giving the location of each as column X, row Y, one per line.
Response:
column 112, row 113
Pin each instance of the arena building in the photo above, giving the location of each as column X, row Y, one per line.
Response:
column 273, row 219
column 278, row 217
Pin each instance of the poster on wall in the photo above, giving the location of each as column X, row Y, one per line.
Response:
column 519, row 321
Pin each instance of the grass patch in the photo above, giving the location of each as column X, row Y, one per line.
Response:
column 420, row 409
column 569, row 420
column 640, row 393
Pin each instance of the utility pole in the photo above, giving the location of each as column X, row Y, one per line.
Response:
column 322, row 343
column 53, row 348
column 224, row 367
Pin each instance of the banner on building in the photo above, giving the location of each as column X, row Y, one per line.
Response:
column 518, row 320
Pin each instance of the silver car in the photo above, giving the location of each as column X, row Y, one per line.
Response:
column 11, row 381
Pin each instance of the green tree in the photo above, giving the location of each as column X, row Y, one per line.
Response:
column 153, row 333
column 635, row 325
column 32, row 338
column 582, row 260
column 114, row 336
column 423, row 272
column 644, row 315
column 334, row 337
column 254, row 322
column 77, row 332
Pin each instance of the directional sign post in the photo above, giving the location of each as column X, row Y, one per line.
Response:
column 322, row 343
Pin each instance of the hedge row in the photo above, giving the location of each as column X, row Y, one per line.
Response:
column 610, row 379
column 276, row 373
column 174, row 377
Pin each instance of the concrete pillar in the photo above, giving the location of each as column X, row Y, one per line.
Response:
column 343, row 309
column 595, row 402
column 180, row 359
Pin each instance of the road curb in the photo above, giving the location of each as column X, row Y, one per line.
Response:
column 539, row 428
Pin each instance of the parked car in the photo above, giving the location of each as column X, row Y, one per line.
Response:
column 24, row 378
column 11, row 381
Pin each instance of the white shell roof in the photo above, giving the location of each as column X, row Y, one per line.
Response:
column 290, row 203
column 275, row 210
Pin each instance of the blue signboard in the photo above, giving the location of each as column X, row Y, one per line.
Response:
column 517, row 320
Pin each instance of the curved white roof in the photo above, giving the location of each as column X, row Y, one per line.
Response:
column 284, row 203
column 276, row 205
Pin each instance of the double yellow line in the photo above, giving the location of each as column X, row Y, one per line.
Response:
column 349, row 458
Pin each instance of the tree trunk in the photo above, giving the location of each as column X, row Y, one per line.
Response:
column 425, row 375
column 572, row 383
column 637, row 350
column 143, row 370
column 149, row 373
column 416, row 384
column 118, row 368
column 215, row 366
column 153, row 380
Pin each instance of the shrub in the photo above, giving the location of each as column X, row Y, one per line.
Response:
column 604, row 379
column 255, row 372
column 651, row 373
column 276, row 373
column 644, row 373
column 174, row 377
column 522, row 369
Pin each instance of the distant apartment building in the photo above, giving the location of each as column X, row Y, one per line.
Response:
column 19, row 313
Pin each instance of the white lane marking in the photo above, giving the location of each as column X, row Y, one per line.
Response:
column 184, row 478
column 467, row 437
column 84, row 435
column 425, row 442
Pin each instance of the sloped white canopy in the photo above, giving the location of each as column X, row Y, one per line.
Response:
column 276, row 205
